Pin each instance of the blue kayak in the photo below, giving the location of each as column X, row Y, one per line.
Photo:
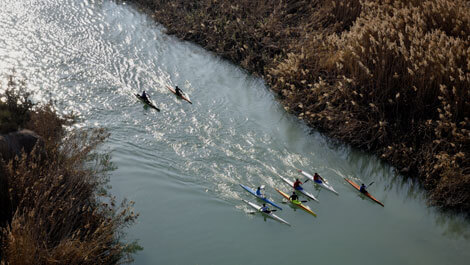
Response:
column 253, row 192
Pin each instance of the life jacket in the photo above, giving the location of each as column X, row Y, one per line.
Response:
column 265, row 209
column 179, row 92
column 362, row 189
column 297, row 185
column 294, row 197
column 144, row 96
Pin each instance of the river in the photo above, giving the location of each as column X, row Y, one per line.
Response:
column 183, row 166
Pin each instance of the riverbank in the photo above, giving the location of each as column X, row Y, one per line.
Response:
column 390, row 78
column 54, row 202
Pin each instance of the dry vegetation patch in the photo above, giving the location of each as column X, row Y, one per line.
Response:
column 55, row 208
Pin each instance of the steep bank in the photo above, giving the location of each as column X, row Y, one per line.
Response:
column 392, row 78
column 53, row 201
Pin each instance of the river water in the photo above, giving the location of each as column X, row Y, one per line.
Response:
column 183, row 166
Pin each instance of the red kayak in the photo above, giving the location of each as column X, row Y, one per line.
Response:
column 183, row 96
column 367, row 193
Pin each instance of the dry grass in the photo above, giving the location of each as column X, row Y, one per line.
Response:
column 55, row 209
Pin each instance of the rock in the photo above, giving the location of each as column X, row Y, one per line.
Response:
column 12, row 144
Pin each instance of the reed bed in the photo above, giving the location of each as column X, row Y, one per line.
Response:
column 54, row 200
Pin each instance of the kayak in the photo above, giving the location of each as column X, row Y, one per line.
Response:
column 253, row 192
column 303, row 191
column 147, row 102
column 184, row 96
column 367, row 193
column 323, row 184
column 258, row 208
column 298, row 203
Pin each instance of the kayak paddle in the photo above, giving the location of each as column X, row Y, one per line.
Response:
column 285, row 201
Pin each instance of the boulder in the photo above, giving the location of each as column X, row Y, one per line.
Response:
column 12, row 144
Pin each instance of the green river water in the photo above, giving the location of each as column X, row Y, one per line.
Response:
column 183, row 166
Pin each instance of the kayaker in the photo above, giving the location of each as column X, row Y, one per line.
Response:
column 297, row 184
column 259, row 192
column 265, row 209
column 294, row 197
column 178, row 91
column 144, row 96
column 317, row 178
column 363, row 188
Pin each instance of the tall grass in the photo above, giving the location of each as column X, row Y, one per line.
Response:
column 398, row 84
column 391, row 77
column 55, row 208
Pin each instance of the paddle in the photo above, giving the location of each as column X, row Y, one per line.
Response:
column 285, row 201
column 273, row 210
column 367, row 187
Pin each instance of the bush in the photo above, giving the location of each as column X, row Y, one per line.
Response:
column 55, row 208
column 15, row 107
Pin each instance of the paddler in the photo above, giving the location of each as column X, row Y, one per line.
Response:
column 265, row 209
column 294, row 197
column 178, row 91
column 297, row 184
column 144, row 96
column 317, row 178
column 363, row 188
column 259, row 191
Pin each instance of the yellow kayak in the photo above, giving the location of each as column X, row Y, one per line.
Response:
column 297, row 203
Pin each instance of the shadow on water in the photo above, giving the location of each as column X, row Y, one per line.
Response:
column 454, row 226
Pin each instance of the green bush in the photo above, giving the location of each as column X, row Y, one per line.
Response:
column 15, row 107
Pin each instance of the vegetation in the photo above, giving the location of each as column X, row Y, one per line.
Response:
column 391, row 77
column 53, row 201
column 15, row 111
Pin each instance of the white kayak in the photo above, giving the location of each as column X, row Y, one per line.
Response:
column 323, row 184
column 258, row 208
column 303, row 191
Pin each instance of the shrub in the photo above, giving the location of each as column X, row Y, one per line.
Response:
column 15, row 107
column 55, row 208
